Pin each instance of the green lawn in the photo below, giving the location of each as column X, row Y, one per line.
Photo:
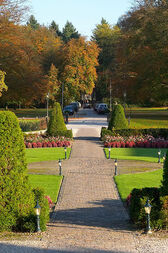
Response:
column 148, row 123
column 50, row 183
column 46, row 154
column 126, row 182
column 141, row 154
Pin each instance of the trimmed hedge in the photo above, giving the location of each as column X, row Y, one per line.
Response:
column 17, row 200
column 56, row 123
column 16, row 197
column 136, row 207
column 118, row 120
column 159, row 200
column 155, row 132
column 33, row 125
column 66, row 133
column 29, row 223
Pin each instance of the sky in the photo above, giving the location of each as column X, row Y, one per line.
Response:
column 83, row 14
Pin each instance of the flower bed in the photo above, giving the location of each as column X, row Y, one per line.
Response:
column 146, row 141
column 43, row 141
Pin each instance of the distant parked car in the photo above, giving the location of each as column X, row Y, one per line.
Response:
column 102, row 109
column 75, row 105
column 96, row 106
column 69, row 109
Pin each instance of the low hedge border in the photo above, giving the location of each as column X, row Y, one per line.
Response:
column 32, row 124
column 155, row 132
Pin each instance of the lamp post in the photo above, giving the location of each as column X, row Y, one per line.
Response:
column 115, row 164
column 37, row 210
column 65, row 149
column 159, row 153
column 47, row 98
column 60, row 167
column 109, row 152
column 148, row 211
column 125, row 94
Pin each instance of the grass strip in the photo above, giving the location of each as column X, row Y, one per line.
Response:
column 138, row 154
column 127, row 182
column 50, row 183
column 46, row 154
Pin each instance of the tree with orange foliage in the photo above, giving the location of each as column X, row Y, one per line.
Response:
column 79, row 74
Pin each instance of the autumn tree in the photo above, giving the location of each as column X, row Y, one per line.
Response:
column 2, row 82
column 13, row 10
column 144, row 49
column 107, row 37
column 79, row 74
column 54, row 86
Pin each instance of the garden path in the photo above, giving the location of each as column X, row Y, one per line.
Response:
column 89, row 215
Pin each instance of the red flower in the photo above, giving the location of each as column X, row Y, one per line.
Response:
column 44, row 144
column 39, row 145
column 34, row 145
column 49, row 144
column 28, row 145
column 49, row 201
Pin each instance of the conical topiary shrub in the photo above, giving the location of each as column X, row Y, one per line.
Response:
column 118, row 120
column 16, row 196
column 56, row 123
column 164, row 186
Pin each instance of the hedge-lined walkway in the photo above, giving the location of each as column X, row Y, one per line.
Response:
column 89, row 216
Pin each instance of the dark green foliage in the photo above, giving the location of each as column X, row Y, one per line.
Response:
column 32, row 125
column 16, row 197
column 164, row 187
column 56, row 122
column 155, row 132
column 43, row 202
column 67, row 133
column 32, row 22
column 164, row 211
column 136, row 208
column 69, row 32
column 28, row 223
column 118, row 120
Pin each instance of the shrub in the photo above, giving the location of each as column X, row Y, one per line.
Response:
column 16, row 197
column 118, row 120
column 28, row 223
column 164, row 211
column 155, row 132
column 32, row 125
column 43, row 202
column 56, row 122
column 66, row 133
column 164, row 186
column 136, row 207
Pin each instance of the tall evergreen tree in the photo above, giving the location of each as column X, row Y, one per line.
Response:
column 55, row 28
column 32, row 22
column 69, row 32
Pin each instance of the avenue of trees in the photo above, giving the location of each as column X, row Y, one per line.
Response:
column 134, row 55
column 128, row 58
